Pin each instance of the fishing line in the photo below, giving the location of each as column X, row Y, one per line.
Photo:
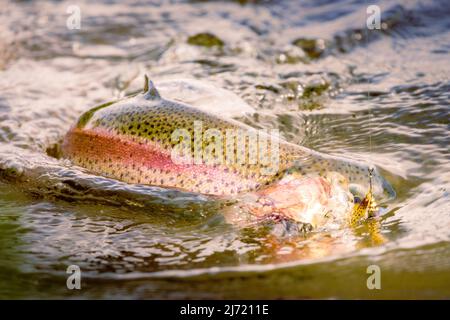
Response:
column 368, row 97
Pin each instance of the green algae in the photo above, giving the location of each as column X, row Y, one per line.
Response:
column 205, row 39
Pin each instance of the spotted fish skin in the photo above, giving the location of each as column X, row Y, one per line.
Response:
column 131, row 140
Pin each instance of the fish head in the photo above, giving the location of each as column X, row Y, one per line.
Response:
column 367, row 177
column 360, row 176
column 381, row 188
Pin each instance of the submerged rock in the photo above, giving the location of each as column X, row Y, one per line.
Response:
column 314, row 48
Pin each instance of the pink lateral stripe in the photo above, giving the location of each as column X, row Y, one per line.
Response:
column 98, row 144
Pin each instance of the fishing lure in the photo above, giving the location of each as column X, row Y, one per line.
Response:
column 366, row 210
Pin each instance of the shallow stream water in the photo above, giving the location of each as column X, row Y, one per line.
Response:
column 311, row 69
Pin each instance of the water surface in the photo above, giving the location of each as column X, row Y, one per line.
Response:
column 308, row 68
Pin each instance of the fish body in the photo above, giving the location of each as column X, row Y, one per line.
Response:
column 134, row 139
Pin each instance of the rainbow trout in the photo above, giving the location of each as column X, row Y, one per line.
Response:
column 146, row 139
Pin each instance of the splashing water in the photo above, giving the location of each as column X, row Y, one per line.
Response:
column 303, row 68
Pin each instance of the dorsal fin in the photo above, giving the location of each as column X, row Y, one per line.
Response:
column 150, row 92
